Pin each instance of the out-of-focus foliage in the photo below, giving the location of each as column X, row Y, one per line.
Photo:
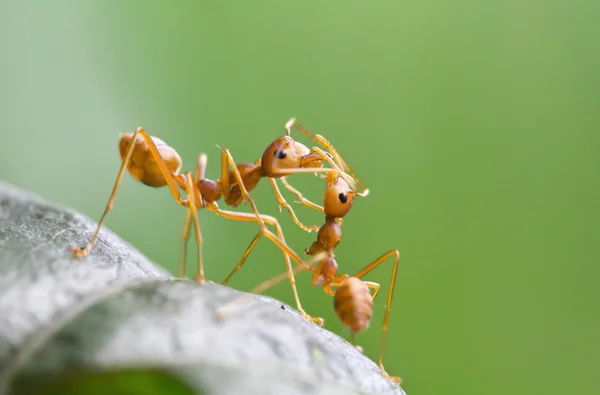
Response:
column 475, row 125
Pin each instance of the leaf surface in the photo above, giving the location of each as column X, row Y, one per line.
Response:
column 116, row 317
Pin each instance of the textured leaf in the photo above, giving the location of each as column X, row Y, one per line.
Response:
column 115, row 314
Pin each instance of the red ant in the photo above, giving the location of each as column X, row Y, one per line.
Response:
column 352, row 298
column 152, row 162
column 336, row 162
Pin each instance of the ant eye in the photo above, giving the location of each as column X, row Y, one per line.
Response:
column 281, row 154
column 343, row 197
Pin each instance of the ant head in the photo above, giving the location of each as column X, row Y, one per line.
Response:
column 339, row 197
column 285, row 153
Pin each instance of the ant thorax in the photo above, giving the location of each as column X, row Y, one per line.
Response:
column 325, row 272
column 330, row 234
column 210, row 190
column 251, row 174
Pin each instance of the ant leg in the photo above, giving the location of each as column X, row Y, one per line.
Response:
column 244, row 257
column 184, row 241
column 278, row 173
column 234, row 305
column 172, row 182
column 351, row 341
column 282, row 202
column 303, row 200
column 225, row 159
column 293, row 123
column 279, row 241
column 374, row 286
column 329, row 147
column 334, row 171
column 367, row 269
column 352, row 336
column 200, row 278
column 200, row 172
column 351, row 180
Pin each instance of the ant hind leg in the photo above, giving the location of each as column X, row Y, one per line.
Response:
column 226, row 159
column 200, row 278
column 200, row 173
column 236, row 304
column 279, row 241
column 173, row 181
column 396, row 255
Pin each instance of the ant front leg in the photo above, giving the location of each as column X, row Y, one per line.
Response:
column 200, row 173
column 192, row 199
column 233, row 306
column 172, row 180
column 282, row 202
column 299, row 195
column 226, row 159
column 279, row 241
column 396, row 255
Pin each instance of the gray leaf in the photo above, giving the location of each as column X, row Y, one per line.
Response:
column 116, row 310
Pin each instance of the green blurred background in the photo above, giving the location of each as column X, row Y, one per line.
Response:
column 474, row 124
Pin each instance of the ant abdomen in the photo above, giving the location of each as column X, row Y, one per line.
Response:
column 353, row 304
column 142, row 165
